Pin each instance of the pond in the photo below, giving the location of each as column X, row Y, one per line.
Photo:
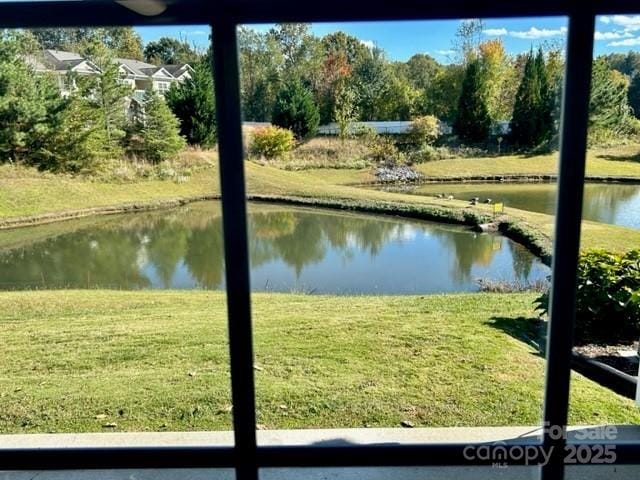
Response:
column 613, row 203
column 292, row 249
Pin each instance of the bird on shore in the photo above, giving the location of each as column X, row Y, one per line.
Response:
column 450, row 197
column 488, row 201
column 440, row 195
column 474, row 201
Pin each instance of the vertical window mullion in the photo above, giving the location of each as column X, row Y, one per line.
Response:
column 234, row 217
column 573, row 145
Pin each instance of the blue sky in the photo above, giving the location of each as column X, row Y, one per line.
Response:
column 617, row 33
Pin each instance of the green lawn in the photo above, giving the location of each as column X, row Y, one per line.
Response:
column 618, row 161
column 105, row 360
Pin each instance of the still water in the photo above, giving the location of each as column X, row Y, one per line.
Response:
column 617, row 204
column 292, row 249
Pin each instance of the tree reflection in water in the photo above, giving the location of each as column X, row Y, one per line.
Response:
column 333, row 251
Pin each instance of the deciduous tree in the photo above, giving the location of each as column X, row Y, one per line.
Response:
column 168, row 50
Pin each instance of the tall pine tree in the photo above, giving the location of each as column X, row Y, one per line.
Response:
column 192, row 101
column 296, row 110
column 160, row 132
column 532, row 120
column 30, row 108
column 473, row 122
column 609, row 109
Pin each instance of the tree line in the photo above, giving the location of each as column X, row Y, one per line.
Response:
column 338, row 78
column 96, row 122
column 297, row 80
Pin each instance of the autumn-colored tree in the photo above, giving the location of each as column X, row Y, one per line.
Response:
column 495, row 67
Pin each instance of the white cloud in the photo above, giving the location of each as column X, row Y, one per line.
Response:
column 370, row 44
column 627, row 42
column 629, row 22
column 605, row 19
column 612, row 35
column 535, row 33
column 495, row 32
column 445, row 52
column 194, row 33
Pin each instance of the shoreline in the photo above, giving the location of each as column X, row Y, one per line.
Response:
column 506, row 178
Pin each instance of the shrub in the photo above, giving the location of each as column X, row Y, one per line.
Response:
column 384, row 150
column 424, row 130
column 271, row 142
column 607, row 298
column 427, row 153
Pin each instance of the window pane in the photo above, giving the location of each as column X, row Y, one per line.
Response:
column 607, row 330
column 115, row 319
column 376, row 304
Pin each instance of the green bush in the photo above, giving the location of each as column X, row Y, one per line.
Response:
column 427, row 153
column 423, row 130
column 607, row 298
column 272, row 142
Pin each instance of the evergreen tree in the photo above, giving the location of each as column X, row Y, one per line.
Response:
column 108, row 96
column 609, row 110
column 193, row 102
column 296, row 110
column 544, row 115
column 30, row 107
column 634, row 94
column 473, row 122
column 160, row 132
column 532, row 120
column 75, row 143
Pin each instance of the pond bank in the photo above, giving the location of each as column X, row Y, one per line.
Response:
column 506, row 178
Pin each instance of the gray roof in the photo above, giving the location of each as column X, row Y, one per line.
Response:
column 63, row 56
column 136, row 66
column 142, row 69
column 59, row 60
column 176, row 69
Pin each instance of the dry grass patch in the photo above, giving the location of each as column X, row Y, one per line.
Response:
column 327, row 152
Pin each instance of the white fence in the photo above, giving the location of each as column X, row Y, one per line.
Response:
column 390, row 128
column 501, row 127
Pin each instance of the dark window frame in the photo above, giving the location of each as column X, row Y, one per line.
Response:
column 224, row 16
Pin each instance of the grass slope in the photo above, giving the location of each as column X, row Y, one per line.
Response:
column 31, row 193
column 81, row 360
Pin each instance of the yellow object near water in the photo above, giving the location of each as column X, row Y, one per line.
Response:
column 498, row 208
